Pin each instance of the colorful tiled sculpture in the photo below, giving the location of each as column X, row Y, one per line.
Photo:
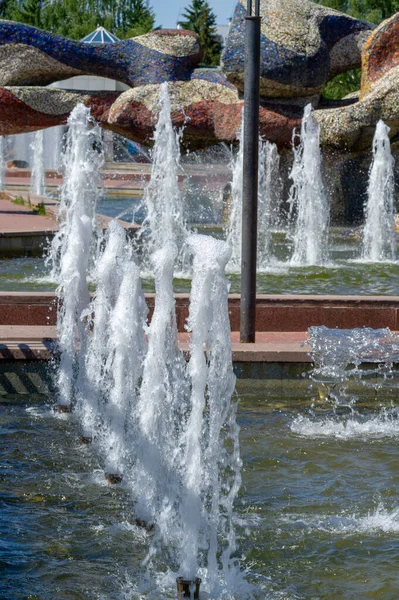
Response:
column 352, row 127
column 30, row 56
column 303, row 45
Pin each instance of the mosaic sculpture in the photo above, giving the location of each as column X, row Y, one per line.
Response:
column 303, row 45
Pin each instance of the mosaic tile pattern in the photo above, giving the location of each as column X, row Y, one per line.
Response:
column 297, row 40
column 210, row 111
column 30, row 108
column 352, row 127
column 18, row 117
column 21, row 64
column 303, row 44
column 137, row 61
column 381, row 53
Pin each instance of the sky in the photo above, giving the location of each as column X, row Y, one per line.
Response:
column 167, row 11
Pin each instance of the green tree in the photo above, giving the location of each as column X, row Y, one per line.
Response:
column 31, row 12
column 133, row 17
column 373, row 11
column 8, row 9
column 77, row 18
column 199, row 17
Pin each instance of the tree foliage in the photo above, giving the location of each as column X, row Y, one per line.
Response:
column 199, row 17
column 373, row 11
column 77, row 18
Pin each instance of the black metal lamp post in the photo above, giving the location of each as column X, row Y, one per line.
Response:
column 250, row 175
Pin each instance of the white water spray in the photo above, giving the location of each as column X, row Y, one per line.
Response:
column 350, row 363
column 162, row 197
column 307, row 197
column 127, row 349
column 107, row 276
column 161, row 406
column 268, row 202
column 2, row 162
column 379, row 240
column 211, row 465
column 72, row 245
column 168, row 427
column 37, row 183
column 233, row 230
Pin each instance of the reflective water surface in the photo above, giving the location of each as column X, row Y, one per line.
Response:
column 318, row 513
column 342, row 278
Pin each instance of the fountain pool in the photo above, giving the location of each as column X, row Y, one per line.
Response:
column 317, row 516
column 344, row 275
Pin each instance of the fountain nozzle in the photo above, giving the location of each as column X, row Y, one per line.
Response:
column 85, row 439
column 113, row 478
column 188, row 588
column 64, row 408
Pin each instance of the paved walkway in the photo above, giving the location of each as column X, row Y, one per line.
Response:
column 39, row 342
column 17, row 219
column 124, row 178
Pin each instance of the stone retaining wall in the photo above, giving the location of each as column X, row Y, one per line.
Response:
column 274, row 312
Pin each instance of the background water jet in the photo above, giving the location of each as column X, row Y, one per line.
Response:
column 37, row 184
column 162, row 197
column 309, row 205
column 269, row 189
column 71, row 247
column 379, row 239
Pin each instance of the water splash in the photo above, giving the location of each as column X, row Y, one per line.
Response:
column 162, row 198
column 2, row 162
column 269, row 190
column 338, row 355
column 347, row 364
column 72, row 245
column 233, row 230
column 307, row 197
column 160, row 408
column 168, row 427
column 269, row 198
column 379, row 240
column 82, row 160
column 107, row 277
column 382, row 425
column 211, row 457
column 377, row 521
column 37, row 184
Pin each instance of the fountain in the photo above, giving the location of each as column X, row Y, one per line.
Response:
column 308, row 202
column 349, row 366
column 379, row 240
column 162, row 198
column 268, row 202
column 72, row 245
column 164, row 428
column 2, row 161
column 37, row 184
